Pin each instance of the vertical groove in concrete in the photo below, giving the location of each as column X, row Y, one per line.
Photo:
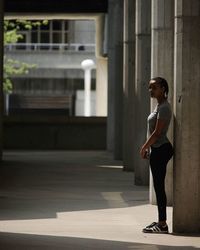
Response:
column 1, row 76
column 143, row 72
column 115, row 77
column 129, row 86
column 186, row 215
column 162, row 61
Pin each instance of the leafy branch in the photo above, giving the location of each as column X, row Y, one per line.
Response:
column 12, row 35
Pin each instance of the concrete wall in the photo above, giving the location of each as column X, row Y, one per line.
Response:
column 52, row 60
column 83, row 32
column 55, row 133
column 101, row 86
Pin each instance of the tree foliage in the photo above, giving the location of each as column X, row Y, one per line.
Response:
column 12, row 35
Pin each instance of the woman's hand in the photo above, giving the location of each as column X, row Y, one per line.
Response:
column 144, row 152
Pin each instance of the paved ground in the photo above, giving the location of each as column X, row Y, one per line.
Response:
column 76, row 201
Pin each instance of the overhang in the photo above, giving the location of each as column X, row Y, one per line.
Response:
column 53, row 6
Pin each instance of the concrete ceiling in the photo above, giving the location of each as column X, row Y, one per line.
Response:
column 55, row 7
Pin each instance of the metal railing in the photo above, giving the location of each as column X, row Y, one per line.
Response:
column 50, row 47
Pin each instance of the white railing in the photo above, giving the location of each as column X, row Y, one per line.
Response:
column 50, row 47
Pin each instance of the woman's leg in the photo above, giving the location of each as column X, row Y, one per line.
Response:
column 158, row 161
column 159, row 172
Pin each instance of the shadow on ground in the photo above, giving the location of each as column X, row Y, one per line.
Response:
column 37, row 185
column 40, row 242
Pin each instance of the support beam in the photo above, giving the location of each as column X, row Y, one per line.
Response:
column 143, row 73
column 115, row 77
column 129, row 86
column 186, row 213
column 110, row 118
column 101, row 66
column 101, row 86
column 1, row 77
column 162, row 58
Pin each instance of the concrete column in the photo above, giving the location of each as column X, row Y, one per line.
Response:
column 101, row 86
column 186, row 213
column 129, row 86
column 111, row 56
column 1, row 77
column 115, row 77
column 143, row 73
column 162, row 58
column 101, row 66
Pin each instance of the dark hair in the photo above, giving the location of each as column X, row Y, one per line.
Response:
column 163, row 84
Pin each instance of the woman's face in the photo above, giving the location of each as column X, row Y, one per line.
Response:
column 155, row 90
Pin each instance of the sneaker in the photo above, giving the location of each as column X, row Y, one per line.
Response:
column 151, row 225
column 156, row 228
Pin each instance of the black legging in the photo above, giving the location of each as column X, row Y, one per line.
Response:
column 159, row 158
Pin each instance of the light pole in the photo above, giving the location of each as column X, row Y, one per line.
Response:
column 87, row 66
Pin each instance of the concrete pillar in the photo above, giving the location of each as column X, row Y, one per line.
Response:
column 129, row 86
column 1, row 77
column 162, row 57
column 186, row 213
column 101, row 66
column 115, row 77
column 101, row 86
column 143, row 73
column 111, row 56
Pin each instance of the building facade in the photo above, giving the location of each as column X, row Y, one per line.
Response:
column 57, row 50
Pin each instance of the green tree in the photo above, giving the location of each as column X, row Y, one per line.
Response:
column 12, row 35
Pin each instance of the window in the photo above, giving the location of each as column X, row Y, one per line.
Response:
column 54, row 33
column 34, row 37
column 57, row 37
column 66, row 25
column 57, row 25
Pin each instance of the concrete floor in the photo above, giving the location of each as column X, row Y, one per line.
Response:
column 76, row 201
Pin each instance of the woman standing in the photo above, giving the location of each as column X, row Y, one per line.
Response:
column 159, row 148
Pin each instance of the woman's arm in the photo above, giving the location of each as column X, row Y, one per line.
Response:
column 160, row 124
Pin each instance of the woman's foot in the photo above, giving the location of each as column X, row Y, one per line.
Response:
column 151, row 225
column 156, row 228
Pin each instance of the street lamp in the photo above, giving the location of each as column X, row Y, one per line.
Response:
column 87, row 66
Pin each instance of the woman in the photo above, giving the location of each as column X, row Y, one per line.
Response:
column 160, row 149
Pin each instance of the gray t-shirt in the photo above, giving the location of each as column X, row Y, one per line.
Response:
column 161, row 111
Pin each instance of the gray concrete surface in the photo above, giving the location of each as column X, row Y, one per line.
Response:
column 162, row 61
column 54, row 132
column 115, row 77
column 142, row 76
column 187, row 117
column 76, row 200
column 129, row 93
